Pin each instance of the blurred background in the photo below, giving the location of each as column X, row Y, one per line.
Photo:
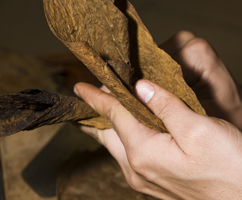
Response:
column 23, row 27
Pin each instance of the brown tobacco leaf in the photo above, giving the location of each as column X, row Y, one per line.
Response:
column 97, row 32
column 102, row 71
column 33, row 108
column 98, row 122
column 98, row 23
column 155, row 64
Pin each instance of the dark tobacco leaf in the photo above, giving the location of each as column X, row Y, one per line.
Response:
column 33, row 108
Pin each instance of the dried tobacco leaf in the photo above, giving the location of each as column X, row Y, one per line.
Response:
column 97, row 122
column 155, row 64
column 97, row 31
column 33, row 108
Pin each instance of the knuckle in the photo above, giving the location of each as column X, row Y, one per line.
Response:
column 137, row 166
column 165, row 106
column 197, row 45
column 135, row 182
column 90, row 131
column 139, row 161
column 100, row 137
column 113, row 110
column 183, row 34
column 199, row 48
column 136, row 161
column 222, row 123
column 199, row 133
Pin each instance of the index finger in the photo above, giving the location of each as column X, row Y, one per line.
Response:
column 129, row 129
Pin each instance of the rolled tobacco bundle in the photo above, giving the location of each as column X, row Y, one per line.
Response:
column 33, row 108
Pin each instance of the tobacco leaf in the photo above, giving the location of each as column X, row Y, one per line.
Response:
column 93, row 20
column 155, row 64
column 97, row 122
column 87, row 175
column 33, row 108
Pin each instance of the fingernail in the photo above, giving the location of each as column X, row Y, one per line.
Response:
column 76, row 91
column 145, row 91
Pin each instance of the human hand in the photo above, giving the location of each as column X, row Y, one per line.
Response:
column 207, row 75
column 201, row 158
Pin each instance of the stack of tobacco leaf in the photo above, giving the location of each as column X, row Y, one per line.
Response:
column 109, row 38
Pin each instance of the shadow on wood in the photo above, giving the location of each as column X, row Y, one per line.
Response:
column 41, row 173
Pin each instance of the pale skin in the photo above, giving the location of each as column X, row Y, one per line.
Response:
column 201, row 158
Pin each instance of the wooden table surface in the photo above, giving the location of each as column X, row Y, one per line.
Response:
column 31, row 159
column 16, row 152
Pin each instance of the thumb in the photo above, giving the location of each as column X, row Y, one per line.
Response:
column 174, row 113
